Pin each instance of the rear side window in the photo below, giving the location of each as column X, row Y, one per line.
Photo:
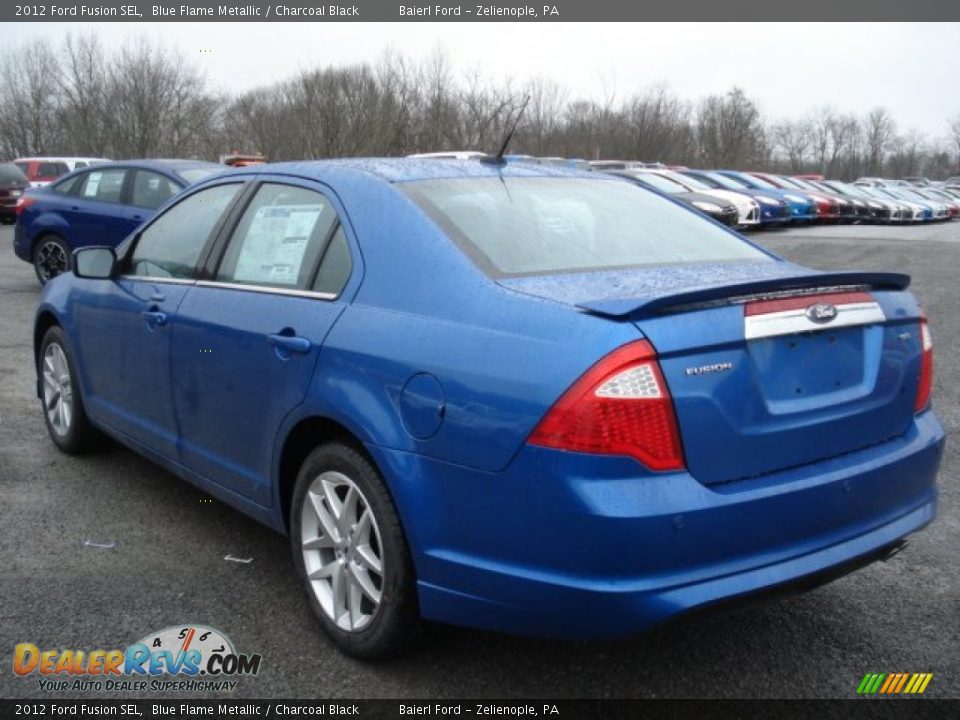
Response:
column 336, row 266
column 47, row 170
column 24, row 167
column 171, row 245
column 79, row 164
column 279, row 238
column 10, row 173
column 151, row 190
column 104, row 185
column 541, row 225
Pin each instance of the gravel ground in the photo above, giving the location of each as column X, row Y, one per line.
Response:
column 168, row 564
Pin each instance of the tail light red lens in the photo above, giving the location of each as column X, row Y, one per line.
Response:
column 22, row 204
column 620, row 406
column 925, row 386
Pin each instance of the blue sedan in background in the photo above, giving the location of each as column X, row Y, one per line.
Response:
column 508, row 396
column 96, row 206
column 802, row 207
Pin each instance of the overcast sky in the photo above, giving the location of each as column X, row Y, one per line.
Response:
column 790, row 68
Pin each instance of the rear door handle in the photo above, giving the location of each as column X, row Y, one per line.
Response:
column 290, row 343
column 155, row 317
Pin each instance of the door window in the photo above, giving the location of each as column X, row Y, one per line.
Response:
column 151, row 190
column 104, row 185
column 171, row 245
column 279, row 238
column 335, row 267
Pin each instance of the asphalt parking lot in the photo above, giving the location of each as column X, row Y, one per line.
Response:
column 167, row 566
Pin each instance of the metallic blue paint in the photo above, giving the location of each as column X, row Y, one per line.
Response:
column 441, row 373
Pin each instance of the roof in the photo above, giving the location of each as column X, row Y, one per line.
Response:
column 410, row 169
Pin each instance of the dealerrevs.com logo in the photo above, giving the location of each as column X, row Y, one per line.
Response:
column 186, row 658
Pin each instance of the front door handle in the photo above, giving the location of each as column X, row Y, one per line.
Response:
column 289, row 343
column 155, row 318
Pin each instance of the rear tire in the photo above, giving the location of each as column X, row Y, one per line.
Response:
column 63, row 411
column 51, row 257
column 351, row 554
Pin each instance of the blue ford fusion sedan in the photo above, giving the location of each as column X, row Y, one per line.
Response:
column 508, row 396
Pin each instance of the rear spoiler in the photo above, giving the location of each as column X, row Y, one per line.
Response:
column 666, row 300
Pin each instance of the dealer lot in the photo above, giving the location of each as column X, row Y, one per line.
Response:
column 168, row 568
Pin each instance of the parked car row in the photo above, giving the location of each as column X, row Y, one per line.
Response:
column 781, row 199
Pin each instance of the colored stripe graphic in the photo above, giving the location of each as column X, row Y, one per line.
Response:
column 894, row 683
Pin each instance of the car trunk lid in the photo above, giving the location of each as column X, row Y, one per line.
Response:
column 774, row 369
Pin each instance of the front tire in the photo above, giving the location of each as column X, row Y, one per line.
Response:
column 51, row 257
column 351, row 554
column 63, row 410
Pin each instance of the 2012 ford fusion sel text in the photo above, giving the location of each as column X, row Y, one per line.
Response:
column 512, row 397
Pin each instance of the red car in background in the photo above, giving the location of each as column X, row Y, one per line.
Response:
column 42, row 171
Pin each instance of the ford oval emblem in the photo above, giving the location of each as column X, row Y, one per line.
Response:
column 821, row 313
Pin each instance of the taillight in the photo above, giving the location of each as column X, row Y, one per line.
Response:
column 620, row 406
column 22, row 204
column 925, row 386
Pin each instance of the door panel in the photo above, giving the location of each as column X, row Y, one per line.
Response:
column 125, row 327
column 246, row 344
column 242, row 360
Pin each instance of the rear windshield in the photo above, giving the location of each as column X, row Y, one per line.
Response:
column 11, row 173
column 532, row 226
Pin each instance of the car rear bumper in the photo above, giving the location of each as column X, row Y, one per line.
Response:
column 21, row 243
column 577, row 546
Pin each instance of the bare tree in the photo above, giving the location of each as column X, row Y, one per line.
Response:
column 879, row 131
column 793, row 139
column 729, row 130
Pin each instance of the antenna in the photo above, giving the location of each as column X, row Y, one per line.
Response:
column 498, row 158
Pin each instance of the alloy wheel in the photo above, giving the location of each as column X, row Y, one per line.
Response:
column 342, row 551
column 51, row 260
column 57, row 389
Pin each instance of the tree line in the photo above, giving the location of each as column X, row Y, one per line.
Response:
column 146, row 99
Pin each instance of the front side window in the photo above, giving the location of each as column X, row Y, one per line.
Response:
column 104, row 185
column 530, row 226
column 151, row 190
column 70, row 185
column 171, row 245
column 279, row 238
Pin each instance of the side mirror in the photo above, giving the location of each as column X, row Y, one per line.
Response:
column 94, row 263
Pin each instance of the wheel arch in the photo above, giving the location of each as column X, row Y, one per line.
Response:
column 306, row 435
column 46, row 319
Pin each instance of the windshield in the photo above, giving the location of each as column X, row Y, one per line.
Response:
column 660, row 183
column 688, row 181
column 533, row 226
column 754, row 181
column 195, row 175
column 796, row 183
column 726, row 182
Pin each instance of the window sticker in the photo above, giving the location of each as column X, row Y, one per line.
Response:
column 93, row 185
column 276, row 243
